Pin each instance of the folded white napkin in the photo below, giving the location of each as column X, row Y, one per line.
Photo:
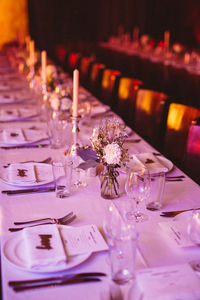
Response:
column 21, row 173
column 9, row 114
column 33, row 135
column 43, row 246
column 149, row 161
column 13, row 136
column 99, row 109
column 27, row 112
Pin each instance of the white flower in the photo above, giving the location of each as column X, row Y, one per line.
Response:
column 66, row 103
column 54, row 101
column 112, row 154
column 51, row 72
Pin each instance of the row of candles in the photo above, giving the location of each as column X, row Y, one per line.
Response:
column 30, row 46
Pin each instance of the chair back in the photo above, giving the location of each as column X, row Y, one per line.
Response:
column 151, row 110
column 126, row 97
column 84, row 70
column 192, row 156
column 73, row 61
column 109, row 85
column 179, row 119
column 95, row 78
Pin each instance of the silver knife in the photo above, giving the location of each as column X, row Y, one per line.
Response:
column 28, row 191
column 58, row 279
column 51, row 284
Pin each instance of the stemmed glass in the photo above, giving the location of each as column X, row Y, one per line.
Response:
column 194, row 234
column 137, row 187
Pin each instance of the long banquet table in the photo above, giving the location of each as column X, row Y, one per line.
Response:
column 154, row 249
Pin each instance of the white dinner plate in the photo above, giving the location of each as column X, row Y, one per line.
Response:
column 13, row 251
column 43, row 172
column 165, row 162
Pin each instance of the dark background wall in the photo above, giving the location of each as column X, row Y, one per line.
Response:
column 55, row 22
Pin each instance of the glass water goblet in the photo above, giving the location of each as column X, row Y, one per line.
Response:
column 194, row 234
column 137, row 187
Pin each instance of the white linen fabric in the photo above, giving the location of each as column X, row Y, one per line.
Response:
column 43, row 246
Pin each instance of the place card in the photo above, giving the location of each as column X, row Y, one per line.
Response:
column 177, row 232
column 178, row 282
column 81, row 240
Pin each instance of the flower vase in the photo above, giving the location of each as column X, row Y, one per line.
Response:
column 109, row 183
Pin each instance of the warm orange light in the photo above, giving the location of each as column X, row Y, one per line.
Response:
column 176, row 114
column 13, row 21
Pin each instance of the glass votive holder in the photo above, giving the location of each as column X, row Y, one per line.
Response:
column 62, row 172
column 194, row 227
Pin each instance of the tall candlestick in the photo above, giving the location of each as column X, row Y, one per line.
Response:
column 44, row 66
column 32, row 52
column 75, row 92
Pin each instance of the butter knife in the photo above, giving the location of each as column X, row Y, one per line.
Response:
column 24, row 146
column 28, row 191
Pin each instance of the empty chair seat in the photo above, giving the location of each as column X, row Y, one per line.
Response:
column 109, row 86
column 151, row 110
column 179, row 120
column 95, row 78
column 126, row 97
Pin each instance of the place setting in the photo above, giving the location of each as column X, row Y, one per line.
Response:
column 30, row 174
column 14, row 97
column 17, row 114
column 52, row 248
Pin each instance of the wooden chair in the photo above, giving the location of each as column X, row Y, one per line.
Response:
column 179, row 119
column 126, row 97
column 192, row 155
column 109, row 85
column 95, row 78
column 73, row 61
column 84, row 70
column 151, row 110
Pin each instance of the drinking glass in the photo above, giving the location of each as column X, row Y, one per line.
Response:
column 122, row 239
column 137, row 187
column 194, row 227
column 62, row 172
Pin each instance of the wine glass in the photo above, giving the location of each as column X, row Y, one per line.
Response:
column 137, row 187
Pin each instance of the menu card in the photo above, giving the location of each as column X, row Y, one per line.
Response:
column 177, row 282
column 85, row 239
column 177, row 232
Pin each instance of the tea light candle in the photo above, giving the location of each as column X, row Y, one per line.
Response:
column 44, row 65
column 75, row 92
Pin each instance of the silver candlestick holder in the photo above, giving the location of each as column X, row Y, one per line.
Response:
column 75, row 142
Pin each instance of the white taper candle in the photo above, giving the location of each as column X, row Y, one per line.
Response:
column 75, row 92
column 44, row 66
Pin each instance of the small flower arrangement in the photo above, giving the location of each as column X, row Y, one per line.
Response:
column 108, row 143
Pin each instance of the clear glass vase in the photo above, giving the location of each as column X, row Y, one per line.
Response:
column 109, row 183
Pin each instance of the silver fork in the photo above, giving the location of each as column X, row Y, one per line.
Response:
column 66, row 222
column 53, row 220
column 47, row 160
